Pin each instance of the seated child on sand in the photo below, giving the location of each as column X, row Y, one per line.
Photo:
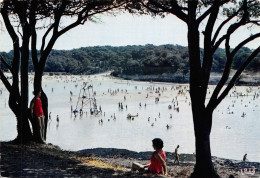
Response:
column 157, row 161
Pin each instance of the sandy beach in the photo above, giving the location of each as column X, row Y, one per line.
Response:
column 50, row 161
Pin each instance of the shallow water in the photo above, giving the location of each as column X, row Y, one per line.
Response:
column 232, row 135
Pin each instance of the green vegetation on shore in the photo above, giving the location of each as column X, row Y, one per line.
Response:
column 132, row 60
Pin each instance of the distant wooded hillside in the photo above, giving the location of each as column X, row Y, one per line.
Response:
column 131, row 60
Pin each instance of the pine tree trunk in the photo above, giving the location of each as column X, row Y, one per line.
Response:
column 202, row 126
column 24, row 134
column 202, row 119
column 23, row 123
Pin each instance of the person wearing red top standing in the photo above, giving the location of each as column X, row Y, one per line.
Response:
column 37, row 113
column 157, row 161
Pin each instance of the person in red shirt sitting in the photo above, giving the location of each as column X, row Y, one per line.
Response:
column 37, row 113
column 157, row 161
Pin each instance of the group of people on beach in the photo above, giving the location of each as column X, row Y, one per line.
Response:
column 157, row 163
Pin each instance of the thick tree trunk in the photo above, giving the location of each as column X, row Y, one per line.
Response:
column 202, row 126
column 24, row 134
column 35, row 126
column 23, row 123
column 204, row 166
column 202, row 119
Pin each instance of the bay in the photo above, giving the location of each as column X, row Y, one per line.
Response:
column 235, row 128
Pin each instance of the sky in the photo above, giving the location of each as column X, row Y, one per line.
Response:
column 126, row 29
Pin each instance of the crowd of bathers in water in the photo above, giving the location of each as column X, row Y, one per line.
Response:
column 182, row 95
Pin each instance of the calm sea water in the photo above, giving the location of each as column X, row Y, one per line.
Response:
column 235, row 131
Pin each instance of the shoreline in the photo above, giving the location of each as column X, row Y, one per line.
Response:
column 49, row 160
column 245, row 79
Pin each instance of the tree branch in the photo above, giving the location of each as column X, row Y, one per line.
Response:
column 15, row 39
column 176, row 9
column 5, row 81
column 44, row 37
column 236, row 76
column 209, row 11
column 208, row 55
column 153, row 10
column 7, row 65
column 224, row 78
column 232, row 28
column 221, row 26
column 45, row 52
column 58, row 14
column 81, row 17
column 55, row 37
column 104, row 10
column 32, row 22
column 240, row 45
